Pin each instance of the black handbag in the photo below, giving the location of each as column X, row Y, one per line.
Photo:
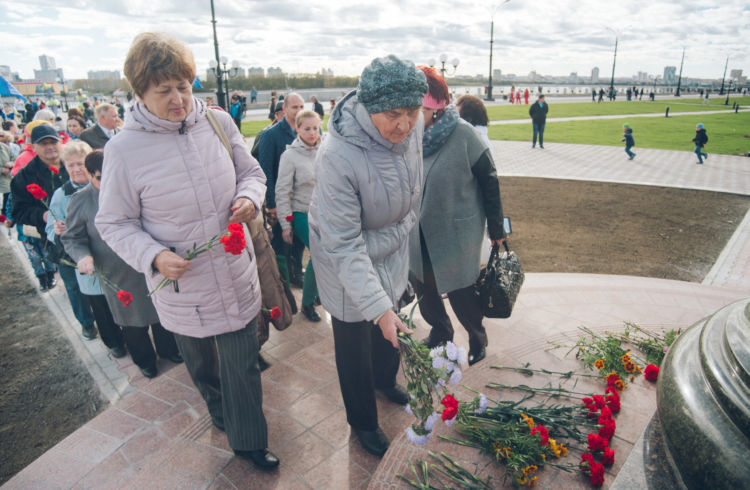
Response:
column 499, row 283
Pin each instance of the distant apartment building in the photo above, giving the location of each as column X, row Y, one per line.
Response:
column 595, row 75
column 255, row 70
column 643, row 76
column 104, row 74
column 47, row 62
column 274, row 71
column 496, row 73
column 669, row 74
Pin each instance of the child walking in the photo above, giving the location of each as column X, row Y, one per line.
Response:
column 628, row 139
column 700, row 140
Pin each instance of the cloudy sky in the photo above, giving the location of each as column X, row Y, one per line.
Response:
column 554, row 37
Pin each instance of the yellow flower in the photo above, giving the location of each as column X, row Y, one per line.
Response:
column 599, row 364
column 619, row 385
column 626, row 358
column 630, row 367
column 533, row 481
column 522, row 481
column 564, row 450
column 529, row 421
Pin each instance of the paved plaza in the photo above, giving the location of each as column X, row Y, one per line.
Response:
column 157, row 433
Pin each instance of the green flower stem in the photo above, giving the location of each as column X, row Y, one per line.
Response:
column 530, row 372
column 553, row 392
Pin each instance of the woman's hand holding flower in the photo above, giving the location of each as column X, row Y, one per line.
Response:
column 243, row 211
column 171, row 265
column 86, row 265
column 390, row 324
column 59, row 227
column 287, row 236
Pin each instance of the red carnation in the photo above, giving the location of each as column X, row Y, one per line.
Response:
column 36, row 191
column 597, row 475
column 289, row 218
column 599, row 400
column 543, row 433
column 234, row 242
column 54, row 170
column 613, row 403
column 612, row 391
column 587, row 459
column 608, row 429
column 596, row 443
column 609, row 457
column 451, row 407
column 611, row 378
column 125, row 297
column 605, row 415
column 275, row 313
column 3, row 218
column 651, row 372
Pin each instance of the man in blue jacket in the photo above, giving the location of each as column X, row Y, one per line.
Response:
column 272, row 144
column 538, row 113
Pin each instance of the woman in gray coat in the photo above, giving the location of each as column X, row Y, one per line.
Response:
column 460, row 192
column 83, row 243
column 368, row 176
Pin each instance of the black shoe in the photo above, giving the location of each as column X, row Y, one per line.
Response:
column 42, row 283
column 149, row 371
column 310, row 313
column 218, row 423
column 541, row 146
column 51, row 281
column 89, row 332
column 374, row 441
column 118, row 351
column 433, row 341
column 263, row 363
column 317, row 301
column 475, row 357
column 176, row 358
column 262, row 458
column 397, row 394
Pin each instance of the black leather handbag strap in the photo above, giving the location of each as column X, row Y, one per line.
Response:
column 496, row 249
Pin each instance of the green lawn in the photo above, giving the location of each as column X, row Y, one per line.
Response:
column 728, row 133
column 250, row 129
column 576, row 109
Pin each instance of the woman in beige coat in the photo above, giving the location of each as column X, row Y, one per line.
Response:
column 169, row 183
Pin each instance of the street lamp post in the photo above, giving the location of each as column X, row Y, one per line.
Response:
column 679, row 80
column 443, row 60
column 721, row 91
column 222, row 79
column 492, row 42
column 215, row 67
column 614, row 62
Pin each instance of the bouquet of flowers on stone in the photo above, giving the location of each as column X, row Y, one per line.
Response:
column 233, row 240
column 429, row 372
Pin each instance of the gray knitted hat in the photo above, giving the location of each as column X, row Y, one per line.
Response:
column 389, row 83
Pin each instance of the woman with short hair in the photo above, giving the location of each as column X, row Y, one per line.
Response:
column 86, row 247
column 472, row 110
column 460, row 193
column 170, row 183
column 75, row 127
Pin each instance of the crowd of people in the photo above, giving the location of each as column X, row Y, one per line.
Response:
column 392, row 201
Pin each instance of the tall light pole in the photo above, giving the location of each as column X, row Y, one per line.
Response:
column 679, row 80
column 443, row 60
column 614, row 61
column 492, row 42
column 216, row 66
column 721, row 92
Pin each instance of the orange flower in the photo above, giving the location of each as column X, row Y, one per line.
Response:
column 599, row 364
column 619, row 385
column 630, row 367
column 626, row 358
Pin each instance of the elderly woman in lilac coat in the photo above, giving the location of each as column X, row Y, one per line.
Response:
column 168, row 183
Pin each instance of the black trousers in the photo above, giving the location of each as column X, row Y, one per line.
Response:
column 225, row 370
column 109, row 331
column 464, row 301
column 365, row 361
column 140, row 347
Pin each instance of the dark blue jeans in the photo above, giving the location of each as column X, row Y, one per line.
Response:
column 538, row 129
column 627, row 150
column 699, row 152
column 79, row 303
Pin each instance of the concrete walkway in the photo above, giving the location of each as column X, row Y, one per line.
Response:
column 157, row 434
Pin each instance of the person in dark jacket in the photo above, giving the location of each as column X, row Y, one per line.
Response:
column 627, row 137
column 48, row 172
column 700, row 140
column 317, row 107
column 538, row 112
